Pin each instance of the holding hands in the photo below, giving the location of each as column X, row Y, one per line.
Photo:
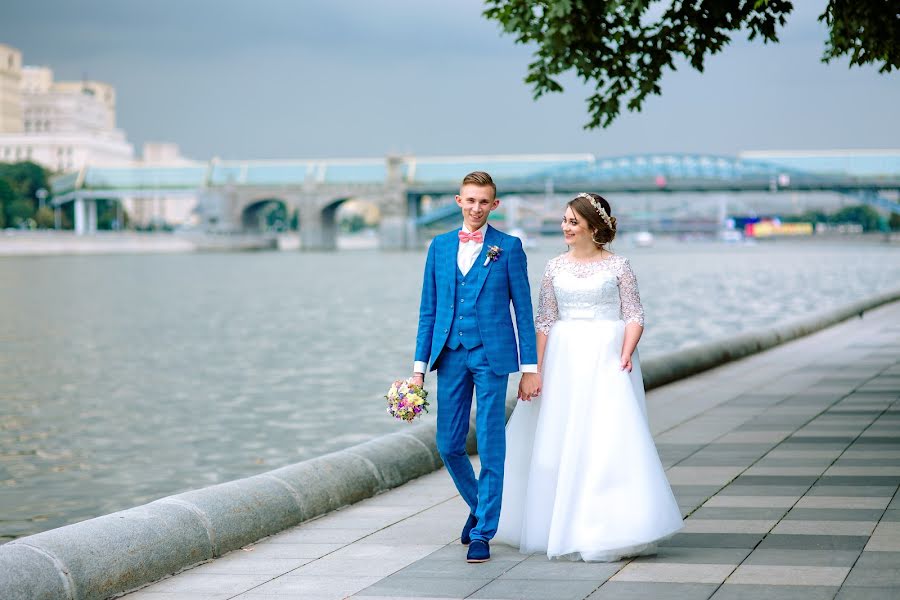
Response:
column 529, row 386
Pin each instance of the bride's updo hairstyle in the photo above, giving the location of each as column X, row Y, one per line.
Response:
column 602, row 225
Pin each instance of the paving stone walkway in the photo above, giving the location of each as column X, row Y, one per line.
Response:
column 786, row 465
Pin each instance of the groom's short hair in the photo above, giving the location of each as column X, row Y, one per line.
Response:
column 480, row 178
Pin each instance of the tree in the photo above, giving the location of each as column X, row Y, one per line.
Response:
column 894, row 222
column 277, row 217
column 19, row 211
column 623, row 50
column 19, row 183
column 7, row 197
column 44, row 218
column 353, row 223
column 26, row 178
column 866, row 216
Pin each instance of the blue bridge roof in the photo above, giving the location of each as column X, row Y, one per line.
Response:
column 440, row 172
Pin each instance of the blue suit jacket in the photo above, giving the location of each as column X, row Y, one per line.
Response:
column 497, row 284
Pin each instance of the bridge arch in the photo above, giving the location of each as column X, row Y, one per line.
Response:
column 357, row 214
column 266, row 215
column 317, row 188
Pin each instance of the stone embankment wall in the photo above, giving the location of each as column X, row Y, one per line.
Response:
column 115, row 553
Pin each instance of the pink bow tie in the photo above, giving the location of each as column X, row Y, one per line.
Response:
column 476, row 237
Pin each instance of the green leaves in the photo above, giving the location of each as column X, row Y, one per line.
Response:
column 624, row 49
column 19, row 183
column 868, row 31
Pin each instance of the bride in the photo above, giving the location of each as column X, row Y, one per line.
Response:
column 583, row 480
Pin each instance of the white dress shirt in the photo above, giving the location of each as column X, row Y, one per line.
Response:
column 466, row 255
column 469, row 251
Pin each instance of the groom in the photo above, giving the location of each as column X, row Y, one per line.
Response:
column 466, row 333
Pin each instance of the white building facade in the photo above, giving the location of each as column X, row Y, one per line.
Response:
column 163, row 210
column 10, row 89
column 66, row 126
column 61, row 125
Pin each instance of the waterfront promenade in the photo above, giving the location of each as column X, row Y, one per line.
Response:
column 786, row 464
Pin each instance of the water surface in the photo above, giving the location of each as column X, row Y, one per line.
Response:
column 128, row 378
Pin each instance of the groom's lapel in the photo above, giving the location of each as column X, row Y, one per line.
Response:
column 491, row 238
column 448, row 265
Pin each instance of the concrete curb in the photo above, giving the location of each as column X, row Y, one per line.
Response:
column 122, row 551
column 672, row 366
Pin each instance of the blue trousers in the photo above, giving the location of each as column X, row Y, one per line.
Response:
column 459, row 372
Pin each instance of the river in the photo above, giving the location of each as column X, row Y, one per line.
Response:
column 127, row 378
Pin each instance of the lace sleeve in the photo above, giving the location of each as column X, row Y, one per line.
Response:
column 630, row 298
column 547, row 310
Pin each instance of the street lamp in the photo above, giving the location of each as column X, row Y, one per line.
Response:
column 41, row 194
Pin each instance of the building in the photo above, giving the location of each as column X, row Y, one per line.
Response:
column 103, row 92
column 67, row 125
column 163, row 210
column 62, row 125
column 11, row 119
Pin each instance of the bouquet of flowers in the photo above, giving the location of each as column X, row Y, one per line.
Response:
column 406, row 400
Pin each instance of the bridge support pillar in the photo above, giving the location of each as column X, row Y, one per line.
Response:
column 79, row 216
column 85, row 216
column 318, row 229
column 397, row 230
column 393, row 233
column 91, row 216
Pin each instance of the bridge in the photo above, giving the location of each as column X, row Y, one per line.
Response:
column 234, row 192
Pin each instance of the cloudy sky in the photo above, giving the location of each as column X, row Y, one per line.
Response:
column 353, row 78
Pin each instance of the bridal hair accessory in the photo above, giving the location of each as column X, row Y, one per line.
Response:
column 599, row 207
column 406, row 400
column 493, row 254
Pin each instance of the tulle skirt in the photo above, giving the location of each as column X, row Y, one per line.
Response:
column 583, row 480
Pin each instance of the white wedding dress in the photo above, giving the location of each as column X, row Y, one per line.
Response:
column 583, row 480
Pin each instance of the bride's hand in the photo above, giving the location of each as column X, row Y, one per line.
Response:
column 626, row 362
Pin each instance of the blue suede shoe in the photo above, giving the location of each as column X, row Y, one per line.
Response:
column 467, row 529
column 479, row 552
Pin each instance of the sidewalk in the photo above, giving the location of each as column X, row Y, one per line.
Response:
column 787, row 465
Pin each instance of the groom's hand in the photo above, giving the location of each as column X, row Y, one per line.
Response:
column 529, row 386
column 418, row 379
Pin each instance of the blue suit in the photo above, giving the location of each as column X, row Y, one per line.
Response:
column 466, row 333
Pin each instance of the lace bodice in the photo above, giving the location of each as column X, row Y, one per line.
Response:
column 598, row 290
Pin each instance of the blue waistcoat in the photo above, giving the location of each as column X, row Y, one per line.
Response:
column 464, row 330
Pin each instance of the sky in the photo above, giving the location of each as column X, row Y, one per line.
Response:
column 366, row 78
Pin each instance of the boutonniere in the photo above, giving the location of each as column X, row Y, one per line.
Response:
column 492, row 254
